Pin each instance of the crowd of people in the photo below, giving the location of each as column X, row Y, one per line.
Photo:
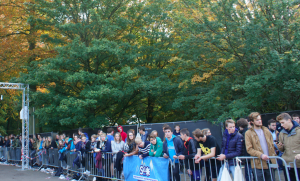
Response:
column 247, row 137
column 10, row 141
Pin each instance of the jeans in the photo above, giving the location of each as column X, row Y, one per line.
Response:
column 248, row 171
column 76, row 161
column 292, row 174
column 40, row 157
column 175, row 170
column 32, row 155
column 231, row 170
column 264, row 175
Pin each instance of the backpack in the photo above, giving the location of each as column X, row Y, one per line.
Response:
column 76, row 176
column 59, row 171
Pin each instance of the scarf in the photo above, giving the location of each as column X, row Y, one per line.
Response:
column 186, row 145
column 228, row 139
column 78, row 140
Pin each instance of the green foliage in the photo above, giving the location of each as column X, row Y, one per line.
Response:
column 9, row 112
column 164, row 61
column 115, row 63
column 246, row 57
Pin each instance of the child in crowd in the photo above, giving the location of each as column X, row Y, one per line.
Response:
column 154, row 132
column 156, row 147
column 143, row 146
column 176, row 131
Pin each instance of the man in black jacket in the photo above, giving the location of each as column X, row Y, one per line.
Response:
column 242, row 123
column 189, row 152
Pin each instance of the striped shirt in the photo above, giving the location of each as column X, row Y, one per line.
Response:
column 145, row 150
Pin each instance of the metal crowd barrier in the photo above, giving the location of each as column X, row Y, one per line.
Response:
column 71, row 156
column 13, row 154
column 50, row 158
column 296, row 170
column 102, row 165
column 208, row 169
column 3, row 153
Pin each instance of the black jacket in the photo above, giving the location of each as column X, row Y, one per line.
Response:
column 244, row 152
column 7, row 143
column 87, row 146
column 189, row 152
column 53, row 144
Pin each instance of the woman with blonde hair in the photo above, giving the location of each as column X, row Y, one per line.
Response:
column 117, row 147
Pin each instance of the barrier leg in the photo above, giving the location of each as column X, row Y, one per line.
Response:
column 297, row 171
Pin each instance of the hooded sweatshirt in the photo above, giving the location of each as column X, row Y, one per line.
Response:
column 295, row 124
column 171, row 147
column 123, row 134
column 158, row 148
column 70, row 144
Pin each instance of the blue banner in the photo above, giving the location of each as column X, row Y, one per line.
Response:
column 149, row 169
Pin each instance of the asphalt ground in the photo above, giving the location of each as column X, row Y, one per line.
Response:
column 13, row 173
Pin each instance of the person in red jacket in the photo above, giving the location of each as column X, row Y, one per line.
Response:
column 123, row 134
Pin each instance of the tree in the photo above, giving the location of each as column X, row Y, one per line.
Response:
column 245, row 57
column 20, row 45
column 9, row 112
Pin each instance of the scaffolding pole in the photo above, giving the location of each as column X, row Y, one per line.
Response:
column 25, row 121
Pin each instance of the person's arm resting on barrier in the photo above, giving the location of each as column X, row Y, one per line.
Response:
column 151, row 152
column 133, row 152
column 145, row 154
column 159, row 150
column 238, row 150
column 198, row 155
column 210, row 155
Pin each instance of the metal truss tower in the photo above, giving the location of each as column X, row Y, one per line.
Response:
column 25, row 121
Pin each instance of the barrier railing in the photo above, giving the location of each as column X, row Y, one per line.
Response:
column 50, row 157
column 255, row 168
column 69, row 160
column 296, row 170
column 103, row 165
column 3, row 153
column 13, row 154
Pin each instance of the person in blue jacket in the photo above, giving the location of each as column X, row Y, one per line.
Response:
column 108, row 156
column 78, row 148
column 172, row 148
column 232, row 145
column 80, row 133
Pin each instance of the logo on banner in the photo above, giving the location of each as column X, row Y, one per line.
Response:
column 144, row 170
